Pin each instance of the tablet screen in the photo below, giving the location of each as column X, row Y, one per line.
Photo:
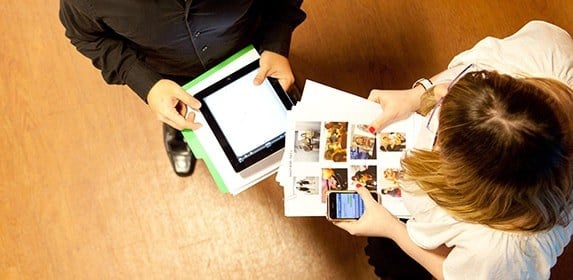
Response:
column 248, row 121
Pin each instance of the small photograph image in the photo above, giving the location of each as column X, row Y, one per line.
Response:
column 336, row 134
column 307, row 141
column 392, row 141
column 306, row 185
column 333, row 179
column 362, row 143
column 363, row 175
column 392, row 178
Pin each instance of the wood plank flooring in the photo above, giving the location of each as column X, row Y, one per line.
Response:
column 86, row 191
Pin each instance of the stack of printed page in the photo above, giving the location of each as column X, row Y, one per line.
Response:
column 328, row 147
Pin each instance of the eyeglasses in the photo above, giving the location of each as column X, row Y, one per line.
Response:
column 432, row 126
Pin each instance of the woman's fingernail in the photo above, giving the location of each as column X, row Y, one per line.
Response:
column 371, row 129
column 359, row 185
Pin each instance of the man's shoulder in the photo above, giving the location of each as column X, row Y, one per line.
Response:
column 77, row 4
column 78, row 7
column 74, row 2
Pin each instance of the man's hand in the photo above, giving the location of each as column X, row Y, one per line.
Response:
column 276, row 66
column 169, row 103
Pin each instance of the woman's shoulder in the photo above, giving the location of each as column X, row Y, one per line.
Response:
column 433, row 226
column 537, row 49
column 544, row 27
column 481, row 252
column 501, row 254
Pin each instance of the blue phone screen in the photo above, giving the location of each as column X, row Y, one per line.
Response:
column 349, row 206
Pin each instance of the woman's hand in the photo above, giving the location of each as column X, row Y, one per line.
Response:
column 276, row 66
column 396, row 105
column 169, row 102
column 376, row 220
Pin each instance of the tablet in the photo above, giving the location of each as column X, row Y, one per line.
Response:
column 248, row 121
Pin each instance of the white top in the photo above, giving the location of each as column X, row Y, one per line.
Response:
column 479, row 252
column 538, row 49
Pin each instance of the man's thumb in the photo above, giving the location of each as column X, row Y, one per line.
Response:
column 260, row 77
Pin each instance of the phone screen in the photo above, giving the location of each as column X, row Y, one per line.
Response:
column 345, row 205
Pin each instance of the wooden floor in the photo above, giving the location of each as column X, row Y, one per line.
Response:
column 86, row 191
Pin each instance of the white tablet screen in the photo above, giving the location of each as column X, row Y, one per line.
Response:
column 248, row 116
column 248, row 121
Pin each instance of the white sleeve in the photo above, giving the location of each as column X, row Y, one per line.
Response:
column 538, row 49
column 470, row 263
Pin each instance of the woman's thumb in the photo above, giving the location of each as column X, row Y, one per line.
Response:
column 365, row 195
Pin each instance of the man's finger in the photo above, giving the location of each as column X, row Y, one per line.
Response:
column 187, row 104
column 191, row 124
column 261, row 76
column 286, row 83
column 173, row 118
column 188, row 100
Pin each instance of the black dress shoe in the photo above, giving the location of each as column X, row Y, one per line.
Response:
column 179, row 153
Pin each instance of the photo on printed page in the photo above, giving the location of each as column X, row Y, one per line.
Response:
column 392, row 141
column 307, row 141
column 391, row 184
column 363, row 175
column 336, row 140
column 306, row 185
column 362, row 142
column 333, row 179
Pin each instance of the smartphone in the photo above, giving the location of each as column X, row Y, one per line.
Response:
column 346, row 205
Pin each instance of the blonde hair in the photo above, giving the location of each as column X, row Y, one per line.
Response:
column 505, row 153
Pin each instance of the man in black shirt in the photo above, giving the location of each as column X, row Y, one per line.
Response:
column 156, row 46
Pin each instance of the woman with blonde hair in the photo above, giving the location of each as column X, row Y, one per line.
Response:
column 489, row 186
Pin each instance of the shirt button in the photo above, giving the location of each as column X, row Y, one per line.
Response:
column 197, row 33
column 204, row 48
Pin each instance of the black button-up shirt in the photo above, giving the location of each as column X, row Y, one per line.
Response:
column 139, row 42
